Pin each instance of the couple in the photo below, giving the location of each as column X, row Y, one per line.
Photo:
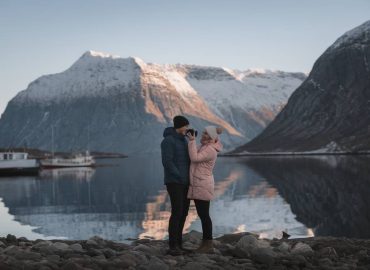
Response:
column 188, row 176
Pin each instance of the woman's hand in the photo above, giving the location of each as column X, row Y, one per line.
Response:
column 191, row 137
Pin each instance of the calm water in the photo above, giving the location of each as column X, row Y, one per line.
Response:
column 127, row 199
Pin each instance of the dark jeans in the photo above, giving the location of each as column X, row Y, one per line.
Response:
column 179, row 210
column 203, row 213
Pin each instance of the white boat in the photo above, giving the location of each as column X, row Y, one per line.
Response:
column 17, row 163
column 77, row 160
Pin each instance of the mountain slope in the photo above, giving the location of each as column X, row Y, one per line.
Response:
column 107, row 103
column 330, row 111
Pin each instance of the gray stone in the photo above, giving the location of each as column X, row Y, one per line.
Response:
column 302, row 248
column 170, row 262
column 47, row 250
column 140, row 257
column 42, row 244
column 91, row 242
column 28, row 255
column 76, row 247
column 193, row 237
column 11, row 238
column 94, row 252
column 264, row 255
column 128, row 260
column 11, row 250
column 53, row 258
column 325, row 262
column 283, row 247
column 97, row 239
column 23, row 239
column 194, row 266
column 2, row 244
column 328, row 252
column 156, row 264
column 108, row 252
column 61, row 246
column 72, row 266
column 249, row 242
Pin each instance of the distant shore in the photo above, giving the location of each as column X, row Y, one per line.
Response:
column 243, row 154
column 231, row 251
column 41, row 154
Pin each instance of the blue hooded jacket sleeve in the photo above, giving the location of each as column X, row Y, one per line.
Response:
column 167, row 150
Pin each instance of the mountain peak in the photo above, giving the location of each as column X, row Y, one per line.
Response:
column 358, row 34
column 92, row 53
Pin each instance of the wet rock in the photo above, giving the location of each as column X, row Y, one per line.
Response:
column 2, row 244
column 76, row 247
column 193, row 237
column 109, row 253
column 250, row 242
column 53, row 258
column 72, row 266
column 42, row 244
column 170, row 262
column 61, row 246
column 27, row 255
column 128, row 260
column 11, row 238
column 283, row 247
column 11, row 250
column 233, row 238
column 94, row 252
column 194, row 266
column 23, row 239
column 325, row 262
column 91, row 242
column 302, row 248
column 156, row 264
column 264, row 256
column 328, row 252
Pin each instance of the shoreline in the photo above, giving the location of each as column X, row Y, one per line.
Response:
column 289, row 154
column 231, row 251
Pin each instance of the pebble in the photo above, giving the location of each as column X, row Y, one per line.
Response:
column 239, row 251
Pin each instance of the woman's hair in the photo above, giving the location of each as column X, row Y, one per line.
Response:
column 219, row 130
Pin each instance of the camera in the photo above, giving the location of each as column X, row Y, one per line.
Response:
column 193, row 132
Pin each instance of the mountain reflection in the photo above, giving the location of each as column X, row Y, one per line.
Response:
column 327, row 193
column 127, row 199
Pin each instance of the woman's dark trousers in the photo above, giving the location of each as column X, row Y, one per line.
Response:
column 203, row 213
column 179, row 210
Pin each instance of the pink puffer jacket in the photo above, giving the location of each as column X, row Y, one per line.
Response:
column 203, row 160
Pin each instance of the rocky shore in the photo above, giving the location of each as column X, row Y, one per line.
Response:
column 233, row 251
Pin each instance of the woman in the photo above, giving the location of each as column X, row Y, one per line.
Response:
column 201, row 188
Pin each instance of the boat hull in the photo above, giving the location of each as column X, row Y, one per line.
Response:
column 19, row 171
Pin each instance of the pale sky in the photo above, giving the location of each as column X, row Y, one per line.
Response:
column 40, row 37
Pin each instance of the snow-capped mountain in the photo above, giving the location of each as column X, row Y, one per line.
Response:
column 108, row 103
column 330, row 111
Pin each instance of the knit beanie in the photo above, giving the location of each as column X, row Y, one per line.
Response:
column 180, row 121
column 213, row 131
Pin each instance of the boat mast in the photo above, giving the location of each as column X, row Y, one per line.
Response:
column 52, row 140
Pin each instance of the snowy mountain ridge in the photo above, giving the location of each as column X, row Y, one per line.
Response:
column 118, row 98
column 93, row 71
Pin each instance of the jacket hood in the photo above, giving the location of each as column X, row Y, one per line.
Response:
column 169, row 131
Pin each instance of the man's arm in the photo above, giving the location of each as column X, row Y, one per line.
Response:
column 168, row 154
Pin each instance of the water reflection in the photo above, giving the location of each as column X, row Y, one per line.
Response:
column 129, row 200
column 329, row 194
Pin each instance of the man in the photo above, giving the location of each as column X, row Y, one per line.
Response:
column 176, row 163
